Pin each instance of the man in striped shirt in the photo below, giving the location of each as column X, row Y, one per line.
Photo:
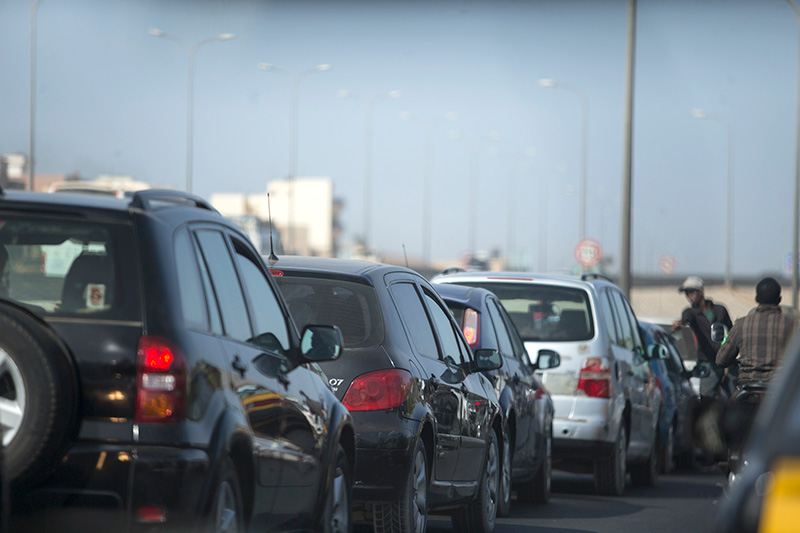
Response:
column 759, row 338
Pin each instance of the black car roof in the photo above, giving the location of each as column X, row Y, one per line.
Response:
column 352, row 267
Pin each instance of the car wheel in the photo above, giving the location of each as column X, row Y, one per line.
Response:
column 668, row 452
column 543, row 478
column 609, row 474
column 409, row 514
column 38, row 397
column 338, row 503
column 226, row 508
column 646, row 474
column 480, row 514
column 504, row 497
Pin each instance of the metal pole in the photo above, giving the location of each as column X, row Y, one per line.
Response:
column 426, row 196
column 627, row 155
column 796, row 220
column 543, row 223
column 510, row 211
column 584, row 140
column 293, row 141
column 32, row 96
column 729, row 213
column 190, row 114
column 368, row 174
column 473, row 195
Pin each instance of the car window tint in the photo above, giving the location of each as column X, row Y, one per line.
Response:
column 415, row 318
column 503, row 338
column 626, row 333
column 608, row 317
column 214, row 314
column 516, row 341
column 545, row 312
column 352, row 306
column 190, row 286
column 446, row 331
column 636, row 338
column 235, row 319
column 270, row 322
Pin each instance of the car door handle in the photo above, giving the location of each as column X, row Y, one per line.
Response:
column 434, row 381
column 238, row 365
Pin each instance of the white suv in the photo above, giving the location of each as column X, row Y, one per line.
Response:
column 606, row 400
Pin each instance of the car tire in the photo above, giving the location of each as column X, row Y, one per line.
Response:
column 226, row 514
column 504, row 496
column 646, row 474
column 38, row 397
column 609, row 473
column 409, row 514
column 542, row 481
column 338, row 501
column 480, row 514
column 668, row 452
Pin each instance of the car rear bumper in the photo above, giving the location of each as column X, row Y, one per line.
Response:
column 383, row 456
column 110, row 488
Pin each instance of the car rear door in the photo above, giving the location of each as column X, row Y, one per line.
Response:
column 441, row 386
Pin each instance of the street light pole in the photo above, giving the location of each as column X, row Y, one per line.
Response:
column 32, row 95
column 796, row 220
column 191, row 50
column 547, row 82
column 430, row 126
column 701, row 114
column 293, row 138
column 369, row 106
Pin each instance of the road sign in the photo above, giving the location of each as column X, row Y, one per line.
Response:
column 587, row 252
column 666, row 264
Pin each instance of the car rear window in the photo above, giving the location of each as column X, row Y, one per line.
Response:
column 54, row 266
column 544, row 312
column 351, row 306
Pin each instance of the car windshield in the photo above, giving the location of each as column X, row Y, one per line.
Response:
column 351, row 306
column 544, row 312
column 52, row 266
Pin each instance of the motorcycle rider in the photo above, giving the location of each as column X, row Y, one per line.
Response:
column 758, row 339
column 702, row 313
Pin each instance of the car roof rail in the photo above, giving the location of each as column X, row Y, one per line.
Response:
column 148, row 198
column 594, row 275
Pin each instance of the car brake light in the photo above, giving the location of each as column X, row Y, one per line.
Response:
column 471, row 327
column 160, row 381
column 276, row 272
column 595, row 378
column 379, row 390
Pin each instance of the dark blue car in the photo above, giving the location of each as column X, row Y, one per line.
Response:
column 527, row 407
column 680, row 398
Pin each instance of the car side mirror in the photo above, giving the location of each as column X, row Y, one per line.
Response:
column 718, row 332
column 547, row 359
column 700, row 371
column 657, row 351
column 487, row 359
column 321, row 342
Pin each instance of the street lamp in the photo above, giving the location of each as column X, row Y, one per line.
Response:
column 191, row 50
column 701, row 114
column 368, row 111
column 430, row 126
column 32, row 94
column 550, row 83
column 293, row 135
column 474, row 146
column 796, row 221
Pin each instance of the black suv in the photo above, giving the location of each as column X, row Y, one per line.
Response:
column 429, row 429
column 152, row 379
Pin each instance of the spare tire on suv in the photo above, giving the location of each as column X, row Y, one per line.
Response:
column 38, row 396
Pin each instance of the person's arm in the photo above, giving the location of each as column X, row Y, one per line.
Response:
column 730, row 347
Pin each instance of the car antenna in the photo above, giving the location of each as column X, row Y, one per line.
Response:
column 272, row 257
column 405, row 254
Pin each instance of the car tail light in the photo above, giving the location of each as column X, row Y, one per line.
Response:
column 150, row 514
column 160, row 381
column 595, row 378
column 379, row 390
column 471, row 327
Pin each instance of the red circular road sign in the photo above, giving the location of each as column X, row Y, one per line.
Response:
column 666, row 264
column 587, row 252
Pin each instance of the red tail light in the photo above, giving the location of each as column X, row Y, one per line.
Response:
column 595, row 378
column 471, row 327
column 379, row 390
column 160, row 381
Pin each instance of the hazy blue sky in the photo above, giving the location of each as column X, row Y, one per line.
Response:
column 112, row 99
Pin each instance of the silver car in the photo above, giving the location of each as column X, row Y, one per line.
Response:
column 606, row 400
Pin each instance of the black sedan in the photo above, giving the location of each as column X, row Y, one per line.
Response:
column 527, row 406
column 428, row 424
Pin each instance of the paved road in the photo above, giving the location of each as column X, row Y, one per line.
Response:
column 685, row 502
